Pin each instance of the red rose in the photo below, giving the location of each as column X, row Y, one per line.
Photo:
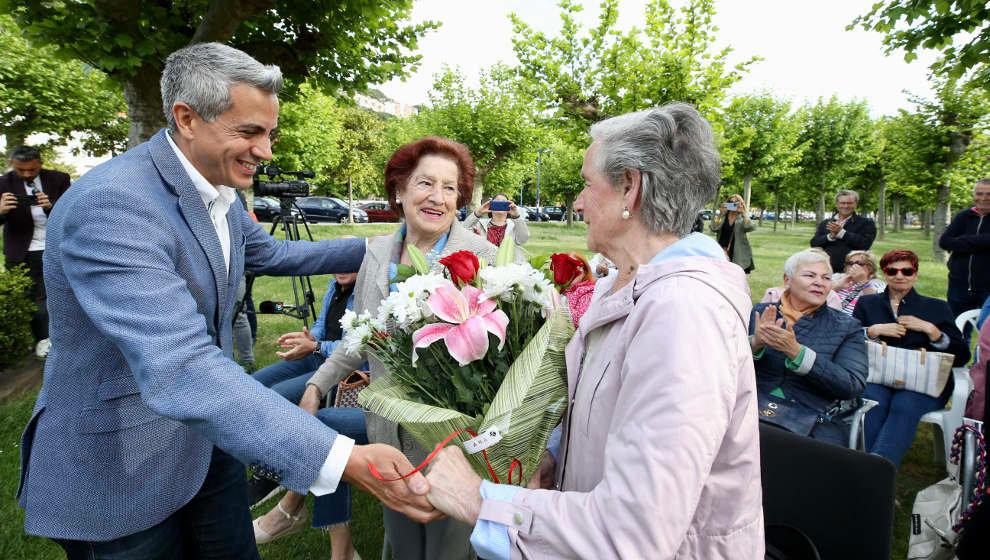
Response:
column 566, row 269
column 463, row 267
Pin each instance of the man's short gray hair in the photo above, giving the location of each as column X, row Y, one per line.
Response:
column 201, row 75
column 674, row 150
column 847, row 192
column 804, row 258
column 983, row 181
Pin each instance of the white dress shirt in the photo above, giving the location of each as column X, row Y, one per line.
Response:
column 217, row 201
column 38, row 216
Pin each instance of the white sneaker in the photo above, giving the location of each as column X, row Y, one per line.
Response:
column 42, row 348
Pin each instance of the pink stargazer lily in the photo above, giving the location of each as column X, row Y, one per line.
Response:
column 467, row 337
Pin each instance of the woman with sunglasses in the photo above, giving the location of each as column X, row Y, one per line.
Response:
column 904, row 318
column 860, row 279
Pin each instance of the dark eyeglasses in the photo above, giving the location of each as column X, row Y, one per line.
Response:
column 856, row 263
column 891, row 271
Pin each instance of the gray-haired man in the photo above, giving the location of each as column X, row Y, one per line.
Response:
column 136, row 445
column 845, row 231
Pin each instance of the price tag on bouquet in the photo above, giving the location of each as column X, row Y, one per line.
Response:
column 483, row 441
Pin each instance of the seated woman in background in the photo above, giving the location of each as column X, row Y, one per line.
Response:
column 808, row 356
column 772, row 294
column 500, row 224
column 860, row 279
column 904, row 318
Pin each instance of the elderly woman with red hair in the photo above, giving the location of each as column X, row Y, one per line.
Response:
column 902, row 317
column 426, row 181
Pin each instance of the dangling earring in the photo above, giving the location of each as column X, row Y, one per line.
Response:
column 625, row 213
column 398, row 201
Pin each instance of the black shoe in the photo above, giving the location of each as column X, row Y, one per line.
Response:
column 260, row 490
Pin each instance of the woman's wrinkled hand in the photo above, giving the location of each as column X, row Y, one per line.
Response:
column 912, row 323
column 545, row 474
column 892, row 330
column 454, row 486
column 310, row 401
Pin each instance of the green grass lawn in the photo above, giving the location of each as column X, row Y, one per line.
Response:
column 770, row 249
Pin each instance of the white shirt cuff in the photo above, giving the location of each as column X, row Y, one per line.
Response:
column 942, row 343
column 490, row 539
column 841, row 234
column 830, row 237
column 333, row 468
column 806, row 362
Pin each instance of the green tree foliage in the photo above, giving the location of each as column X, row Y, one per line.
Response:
column 839, row 144
column 40, row 93
column 495, row 122
column 560, row 173
column 763, row 137
column 582, row 78
column 16, row 308
column 933, row 24
column 341, row 46
column 932, row 140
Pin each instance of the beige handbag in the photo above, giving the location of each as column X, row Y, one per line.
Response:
column 349, row 389
column 920, row 371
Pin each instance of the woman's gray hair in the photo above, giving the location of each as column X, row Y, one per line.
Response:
column 201, row 76
column 673, row 148
column 806, row 257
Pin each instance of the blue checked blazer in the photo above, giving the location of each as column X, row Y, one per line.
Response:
column 140, row 383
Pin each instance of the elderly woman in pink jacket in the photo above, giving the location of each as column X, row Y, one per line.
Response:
column 659, row 450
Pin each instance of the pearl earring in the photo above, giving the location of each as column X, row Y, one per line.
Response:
column 625, row 213
column 398, row 200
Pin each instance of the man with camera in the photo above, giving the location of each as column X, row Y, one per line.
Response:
column 27, row 195
column 845, row 231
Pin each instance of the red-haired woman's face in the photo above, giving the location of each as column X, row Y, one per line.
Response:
column 429, row 197
column 899, row 281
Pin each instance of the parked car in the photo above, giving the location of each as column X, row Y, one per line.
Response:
column 265, row 209
column 328, row 209
column 705, row 214
column 556, row 213
column 534, row 214
column 379, row 212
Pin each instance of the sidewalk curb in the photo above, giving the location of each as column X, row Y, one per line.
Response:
column 25, row 374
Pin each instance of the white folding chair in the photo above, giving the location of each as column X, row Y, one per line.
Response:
column 947, row 420
column 857, row 426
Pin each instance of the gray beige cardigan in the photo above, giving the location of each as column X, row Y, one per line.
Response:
column 371, row 289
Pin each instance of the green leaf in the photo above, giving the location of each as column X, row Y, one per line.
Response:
column 124, row 41
column 418, row 260
column 506, row 251
column 402, row 273
column 539, row 261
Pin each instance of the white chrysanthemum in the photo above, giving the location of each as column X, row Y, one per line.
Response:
column 503, row 282
column 347, row 320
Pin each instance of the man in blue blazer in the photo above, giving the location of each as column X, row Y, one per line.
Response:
column 140, row 432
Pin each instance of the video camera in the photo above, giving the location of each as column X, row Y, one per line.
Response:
column 279, row 188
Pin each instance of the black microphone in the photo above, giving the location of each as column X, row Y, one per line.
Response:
column 274, row 307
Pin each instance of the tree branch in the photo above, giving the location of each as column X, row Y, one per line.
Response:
column 223, row 17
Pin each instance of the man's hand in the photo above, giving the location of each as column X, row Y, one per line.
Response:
column 43, row 201
column 912, row 323
column 299, row 344
column 893, row 330
column 404, row 496
column 310, row 401
column 7, row 202
column 833, row 227
column 454, row 486
column 545, row 473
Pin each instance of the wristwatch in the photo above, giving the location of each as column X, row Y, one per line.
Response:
column 316, row 351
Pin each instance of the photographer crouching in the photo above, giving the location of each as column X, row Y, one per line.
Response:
column 27, row 195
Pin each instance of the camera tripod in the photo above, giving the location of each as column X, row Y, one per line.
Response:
column 302, row 286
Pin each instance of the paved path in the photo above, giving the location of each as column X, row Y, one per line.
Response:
column 23, row 375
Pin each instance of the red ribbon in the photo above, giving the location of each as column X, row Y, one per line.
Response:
column 513, row 465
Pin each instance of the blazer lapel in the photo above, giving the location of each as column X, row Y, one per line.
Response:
column 192, row 209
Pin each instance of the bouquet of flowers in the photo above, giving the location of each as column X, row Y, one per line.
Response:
column 474, row 349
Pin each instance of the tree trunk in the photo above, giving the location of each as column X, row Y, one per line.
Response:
column 776, row 207
column 13, row 139
column 820, row 211
column 350, row 201
column 926, row 218
column 144, row 104
column 747, row 189
column 898, row 218
column 569, row 203
column 760, row 218
column 793, row 214
column 882, row 209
